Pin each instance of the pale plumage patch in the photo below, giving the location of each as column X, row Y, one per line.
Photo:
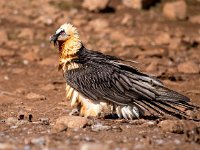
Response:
column 65, row 64
column 70, row 46
column 68, row 28
column 88, row 108
column 91, row 108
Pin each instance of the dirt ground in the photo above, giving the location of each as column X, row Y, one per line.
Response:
column 32, row 90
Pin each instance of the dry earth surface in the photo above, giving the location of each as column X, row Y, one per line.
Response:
column 34, row 113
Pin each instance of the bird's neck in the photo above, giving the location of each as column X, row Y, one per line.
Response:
column 68, row 51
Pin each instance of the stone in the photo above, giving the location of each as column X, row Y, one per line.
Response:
column 192, row 113
column 4, row 37
column 175, row 10
column 162, row 38
column 26, row 33
column 139, row 4
column 30, row 56
column 21, row 115
column 116, row 129
column 99, row 127
column 6, row 52
column 193, row 135
column 7, row 146
column 35, row 96
column 30, row 117
column 44, row 121
column 188, row 67
column 6, row 77
column 159, row 142
column 150, row 123
column 18, row 71
column 137, row 122
column 124, row 40
column 38, row 141
column 21, row 91
column 64, row 122
column 45, row 20
column 11, row 121
column 117, row 35
column 138, row 146
column 94, row 146
column 128, row 41
column 176, row 141
column 14, row 127
column 98, row 24
column 152, row 67
column 95, row 5
column 48, row 87
column 6, row 99
column 173, row 126
column 195, row 19
column 127, row 19
column 175, row 43
column 74, row 112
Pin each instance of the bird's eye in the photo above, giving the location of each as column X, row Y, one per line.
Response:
column 62, row 32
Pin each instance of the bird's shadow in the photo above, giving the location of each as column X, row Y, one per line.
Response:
column 115, row 117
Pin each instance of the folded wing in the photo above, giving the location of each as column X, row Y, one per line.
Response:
column 123, row 85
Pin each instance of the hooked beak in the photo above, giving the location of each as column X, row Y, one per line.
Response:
column 54, row 39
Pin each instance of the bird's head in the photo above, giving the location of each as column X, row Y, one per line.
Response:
column 68, row 40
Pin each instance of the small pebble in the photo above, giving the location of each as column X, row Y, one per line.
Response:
column 99, row 127
column 25, row 62
column 30, row 117
column 74, row 112
column 11, row 120
column 116, row 129
column 13, row 127
column 35, row 96
column 7, row 146
column 139, row 146
column 38, row 141
column 44, row 121
column 6, row 78
column 94, row 146
column 173, row 126
column 74, row 122
column 159, row 141
column 27, row 147
column 176, row 141
column 150, row 123
column 21, row 117
column 95, row 5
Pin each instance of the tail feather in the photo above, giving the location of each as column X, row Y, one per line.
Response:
column 152, row 107
column 151, row 95
column 186, row 105
column 166, row 94
column 171, row 102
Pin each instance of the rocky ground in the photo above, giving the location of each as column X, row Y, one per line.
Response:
column 34, row 113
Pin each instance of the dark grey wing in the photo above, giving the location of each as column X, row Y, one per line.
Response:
column 123, row 85
column 105, row 82
column 97, row 82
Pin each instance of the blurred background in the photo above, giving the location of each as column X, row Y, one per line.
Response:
column 162, row 35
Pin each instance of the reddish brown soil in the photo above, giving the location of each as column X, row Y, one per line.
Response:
column 30, row 83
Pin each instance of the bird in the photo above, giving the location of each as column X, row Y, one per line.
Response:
column 97, row 83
